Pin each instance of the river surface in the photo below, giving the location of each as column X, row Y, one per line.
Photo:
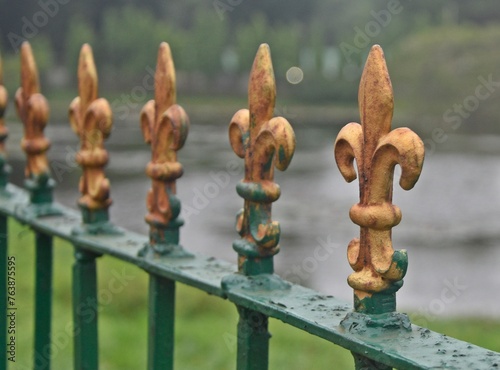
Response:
column 450, row 225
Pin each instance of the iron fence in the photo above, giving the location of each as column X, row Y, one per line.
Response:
column 378, row 336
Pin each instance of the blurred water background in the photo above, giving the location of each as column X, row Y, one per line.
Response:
column 444, row 63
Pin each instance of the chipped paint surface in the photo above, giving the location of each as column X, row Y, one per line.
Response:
column 165, row 127
column 91, row 119
column 4, row 132
column 379, row 269
column 264, row 142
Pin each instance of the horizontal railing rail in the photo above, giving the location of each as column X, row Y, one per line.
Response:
column 377, row 335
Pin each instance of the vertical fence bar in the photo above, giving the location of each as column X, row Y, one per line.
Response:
column 3, row 291
column 85, row 310
column 43, row 300
column 91, row 119
column 264, row 142
column 161, row 323
column 164, row 125
column 253, row 340
column 378, row 268
column 33, row 110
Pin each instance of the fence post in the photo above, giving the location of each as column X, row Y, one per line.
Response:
column 164, row 125
column 91, row 119
column 264, row 142
column 33, row 110
column 378, row 269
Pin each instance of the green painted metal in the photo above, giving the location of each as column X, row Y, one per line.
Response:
column 43, row 300
column 3, row 290
column 161, row 323
column 375, row 337
column 41, row 199
column 95, row 222
column 85, row 310
column 164, row 238
column 253, row 340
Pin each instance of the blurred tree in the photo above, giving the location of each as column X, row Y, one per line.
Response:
column 284, row 41
column 204, row 44
column 248, row 38
column 278, row 11
column 130, row 40
column 79, row 33
column 444, row 77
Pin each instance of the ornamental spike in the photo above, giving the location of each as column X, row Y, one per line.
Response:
column 264, row 142
column 4, row 132
column 33, row 110
column 379, row 269
column 91, row 118
column 165, row 127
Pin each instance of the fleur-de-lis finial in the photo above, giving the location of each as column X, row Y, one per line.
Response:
column 379, row 269
column 4, row 132
column 165, row 127
column 33, row 110
column 91, row 119
column 264, row 142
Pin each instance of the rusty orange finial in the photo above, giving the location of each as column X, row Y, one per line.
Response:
column 91, row 119
column 165, row 127
column 379, row 269
column 264, row 142
column 33, row 110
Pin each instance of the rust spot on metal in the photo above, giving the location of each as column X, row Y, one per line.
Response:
column 33, row 111
column 377, row 150
column 91, row 119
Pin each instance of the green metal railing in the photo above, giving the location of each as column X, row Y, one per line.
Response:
column 377, row 335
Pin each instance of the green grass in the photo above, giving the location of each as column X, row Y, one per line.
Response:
column 205, row 325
